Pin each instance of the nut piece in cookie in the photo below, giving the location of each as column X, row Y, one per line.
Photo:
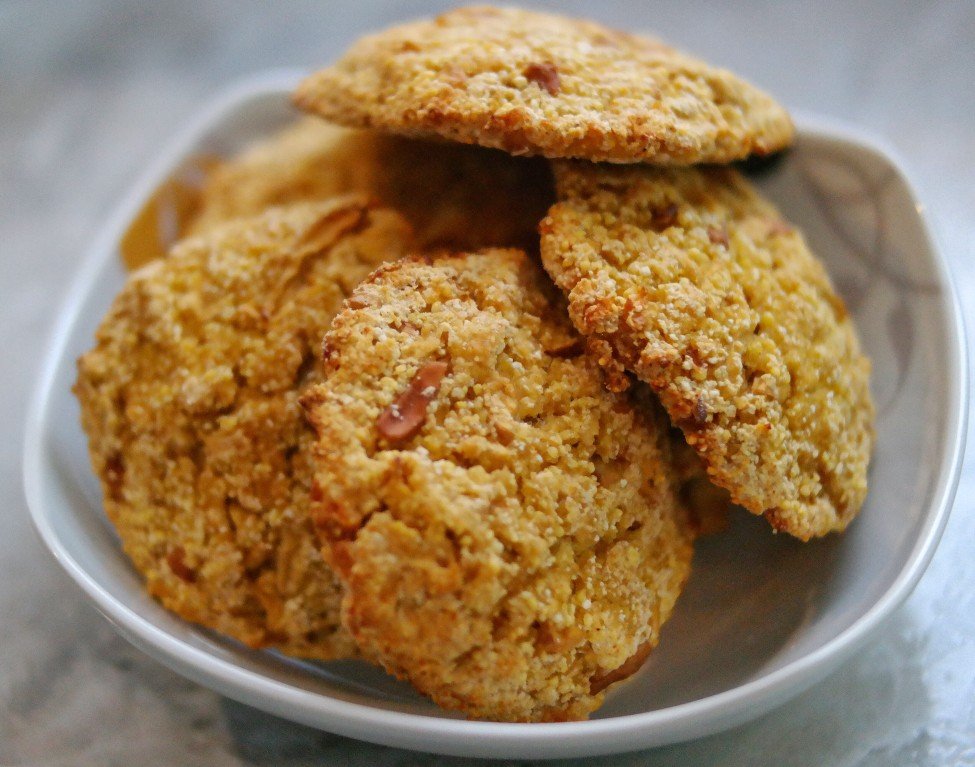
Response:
column 190, row 403
column 454, row 196
column 508, row 531
column 537, row 83
column 692, row 281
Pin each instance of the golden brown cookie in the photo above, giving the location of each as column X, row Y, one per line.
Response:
column 537, row 83
column 455, row 196
column 691, row 280
column 507, row 529
column 190, row 403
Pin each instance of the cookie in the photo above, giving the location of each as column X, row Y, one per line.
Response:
column 507, row 529
column 455, row 196
column 537, row 83
column 691, row 280
column 190, row 403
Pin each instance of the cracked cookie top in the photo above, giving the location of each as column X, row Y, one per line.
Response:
column 538, row 83
column 690, row 279
column 190, row 403
column 507, row 529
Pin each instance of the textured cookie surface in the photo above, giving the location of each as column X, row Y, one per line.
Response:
column 688, row 278
column 535, row 83
column 454, row 196
column 507, row 529
column 190, row 403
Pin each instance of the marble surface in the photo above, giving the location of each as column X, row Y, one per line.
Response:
column 91, row 89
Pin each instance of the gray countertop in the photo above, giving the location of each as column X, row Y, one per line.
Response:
column 88, row 93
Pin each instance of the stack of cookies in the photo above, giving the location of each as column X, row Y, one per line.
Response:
column 450, row 375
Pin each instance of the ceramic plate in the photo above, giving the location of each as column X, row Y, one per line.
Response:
column 743, row 639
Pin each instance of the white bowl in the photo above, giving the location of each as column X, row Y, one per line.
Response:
column 763, row 616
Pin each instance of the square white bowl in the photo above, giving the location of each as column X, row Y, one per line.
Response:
column 763, row 617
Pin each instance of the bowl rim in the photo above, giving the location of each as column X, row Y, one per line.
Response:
column 474, row 738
